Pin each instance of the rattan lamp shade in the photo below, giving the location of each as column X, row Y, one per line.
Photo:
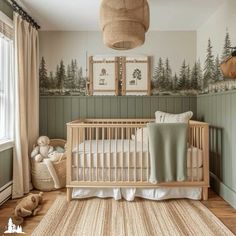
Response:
column 124, row 23
column 229, row 67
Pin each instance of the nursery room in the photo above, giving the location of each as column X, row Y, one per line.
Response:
column 118, row 117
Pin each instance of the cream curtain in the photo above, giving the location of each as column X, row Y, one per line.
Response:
column 26, row 46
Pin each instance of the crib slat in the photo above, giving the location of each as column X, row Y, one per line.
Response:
column 97, row 154
column 116, row 154
column 84, row 164
column 103, row 130
column 109, row 164
column 128, row 154
column 90, row 164
column 122, row 153
column 135, row 157
column 142, row 157
column 77, row 146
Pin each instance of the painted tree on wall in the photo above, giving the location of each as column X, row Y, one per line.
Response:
column 167, row 78
column 158, row 75
column 200, row 75
column 182, row 77
column 217, row 72
column 209, row 67
column 195, row 77
column 226, row 49
column 43, row 81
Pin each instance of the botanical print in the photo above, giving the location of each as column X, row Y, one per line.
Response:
column 194, row 80
column 65, row 81
column 103, row 77
column 136, row 76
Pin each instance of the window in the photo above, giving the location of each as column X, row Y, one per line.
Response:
column 6, row 81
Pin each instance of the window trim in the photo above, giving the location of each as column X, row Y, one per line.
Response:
column 6, row 144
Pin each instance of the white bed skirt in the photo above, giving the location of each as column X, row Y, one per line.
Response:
column 129, row 194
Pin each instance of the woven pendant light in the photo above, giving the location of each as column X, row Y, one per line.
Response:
column 124, row 23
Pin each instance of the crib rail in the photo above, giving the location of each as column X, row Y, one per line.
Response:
column 114, row 153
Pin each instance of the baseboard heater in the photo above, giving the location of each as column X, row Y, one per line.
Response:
column 5, row 192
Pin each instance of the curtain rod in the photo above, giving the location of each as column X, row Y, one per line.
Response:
column 24, row 14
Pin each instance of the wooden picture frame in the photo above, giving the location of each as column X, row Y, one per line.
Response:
column 136, row 76
column 103, row 75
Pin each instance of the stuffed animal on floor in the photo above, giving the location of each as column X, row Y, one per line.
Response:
column 29, row 205
column 42, row 150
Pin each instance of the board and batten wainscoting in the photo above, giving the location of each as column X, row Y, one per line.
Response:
column 56, row 111
column 219, row 110
column 6, row 166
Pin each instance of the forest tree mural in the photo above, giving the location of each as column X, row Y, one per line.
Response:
column 65, row 81
column 198, row 79
column 194, row 80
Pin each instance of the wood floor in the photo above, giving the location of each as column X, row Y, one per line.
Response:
column 216, row 204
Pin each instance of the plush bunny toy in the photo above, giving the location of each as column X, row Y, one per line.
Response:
column 42, row 150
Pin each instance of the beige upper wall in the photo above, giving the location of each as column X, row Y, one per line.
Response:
column 215, row 29
column 57, row 45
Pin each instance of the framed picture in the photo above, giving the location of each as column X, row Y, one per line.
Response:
column 103, row 75
column 136, row 76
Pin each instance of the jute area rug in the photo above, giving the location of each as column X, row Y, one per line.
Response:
column 95, row 217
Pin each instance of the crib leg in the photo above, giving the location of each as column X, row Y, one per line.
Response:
column 205, row 193
column 69, row 193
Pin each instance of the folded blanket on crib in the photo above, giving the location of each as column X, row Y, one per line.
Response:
column 168, row 152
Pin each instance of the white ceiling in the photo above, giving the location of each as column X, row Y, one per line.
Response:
column 83, row 15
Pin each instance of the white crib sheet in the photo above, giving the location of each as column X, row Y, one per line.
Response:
column 116, row 152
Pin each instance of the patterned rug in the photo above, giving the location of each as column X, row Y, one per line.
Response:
column 103, row 217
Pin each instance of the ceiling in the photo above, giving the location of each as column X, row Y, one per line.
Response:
column 83, row 15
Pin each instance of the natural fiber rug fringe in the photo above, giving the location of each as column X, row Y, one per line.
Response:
column 107, row 217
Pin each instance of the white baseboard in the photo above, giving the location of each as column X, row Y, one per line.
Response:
column 5, row 192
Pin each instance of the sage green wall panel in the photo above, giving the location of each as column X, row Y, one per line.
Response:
column 162, row 104
column 106, row 108
column 114, row 107
column 123, row 107
column 82, row 107
column 56, row 111
column 146, row 101
column 6, row 166
column 67, row 116
column 193, row 106
column 51, row 111
column 154, row 106
column 171, row 104
column 98, row 107
column 131, row 107
column 178, row 105
column 59, row 121
column 43, row 115
column 219, row 110
column 186, row 104
column 90, row 107
column 138, row 107
column 233, row 137
column 75, row 104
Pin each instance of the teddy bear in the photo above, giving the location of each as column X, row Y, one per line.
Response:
column 29, row 205
column 42, row 150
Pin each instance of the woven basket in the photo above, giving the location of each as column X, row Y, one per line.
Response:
column 41, row 177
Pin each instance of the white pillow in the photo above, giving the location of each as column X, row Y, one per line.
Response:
column 163, row 117
column 139, row 135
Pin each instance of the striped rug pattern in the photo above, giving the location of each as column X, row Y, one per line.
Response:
column 107, row 217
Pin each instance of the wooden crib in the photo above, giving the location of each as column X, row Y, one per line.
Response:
column 111, row 153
